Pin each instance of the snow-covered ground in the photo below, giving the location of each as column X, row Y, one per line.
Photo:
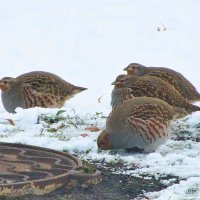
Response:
column 88, row 43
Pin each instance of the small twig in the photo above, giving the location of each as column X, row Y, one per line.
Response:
column 99, row 99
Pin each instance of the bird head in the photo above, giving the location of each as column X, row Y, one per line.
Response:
column 120, row 81
column 135, row 69
column 103, row 141
column 6, row 83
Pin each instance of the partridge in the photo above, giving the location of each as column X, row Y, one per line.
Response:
column 37, row 88
column 141, row 122
column 127, row 87
column 175, row 78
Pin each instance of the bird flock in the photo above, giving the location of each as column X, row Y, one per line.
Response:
column 144, row 103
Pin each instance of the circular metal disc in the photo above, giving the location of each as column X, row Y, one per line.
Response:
column 26, row 169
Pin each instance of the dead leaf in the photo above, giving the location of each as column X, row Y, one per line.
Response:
column 92, row 129
column 84, row 134
column 11, row 122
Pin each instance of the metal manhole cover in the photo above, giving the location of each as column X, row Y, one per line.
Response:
column 34, row 170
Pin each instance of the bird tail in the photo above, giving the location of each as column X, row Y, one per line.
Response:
column 78, row 89
column 180, row 112
column 193, row 108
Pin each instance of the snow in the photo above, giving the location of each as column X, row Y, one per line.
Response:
column 88, row 43
column 188, row 189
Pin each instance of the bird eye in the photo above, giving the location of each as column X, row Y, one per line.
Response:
column 5, row 82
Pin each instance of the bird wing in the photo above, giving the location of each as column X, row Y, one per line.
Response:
column 152, row 110
column 166, row 75
column 34, row 97
column 157, row 89
column 148, row 86
column 150, row 122
column 175, row 79
column 42, row 85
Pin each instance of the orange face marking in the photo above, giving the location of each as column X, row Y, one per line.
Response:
column 3, row 87
column 131, row 72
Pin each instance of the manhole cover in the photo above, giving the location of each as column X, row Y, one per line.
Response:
column 34, row 170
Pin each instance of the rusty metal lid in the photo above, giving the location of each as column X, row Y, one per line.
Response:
column 26, row 169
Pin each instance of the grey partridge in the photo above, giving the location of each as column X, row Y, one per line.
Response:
column 141, row 122
column 127, row 87
column 37, row 88
column 185, row 87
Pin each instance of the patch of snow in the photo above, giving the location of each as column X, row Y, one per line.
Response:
column 187, row 190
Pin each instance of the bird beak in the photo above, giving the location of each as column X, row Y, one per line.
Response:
column 129, row 70
column 125, row 69
column 114, row 83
